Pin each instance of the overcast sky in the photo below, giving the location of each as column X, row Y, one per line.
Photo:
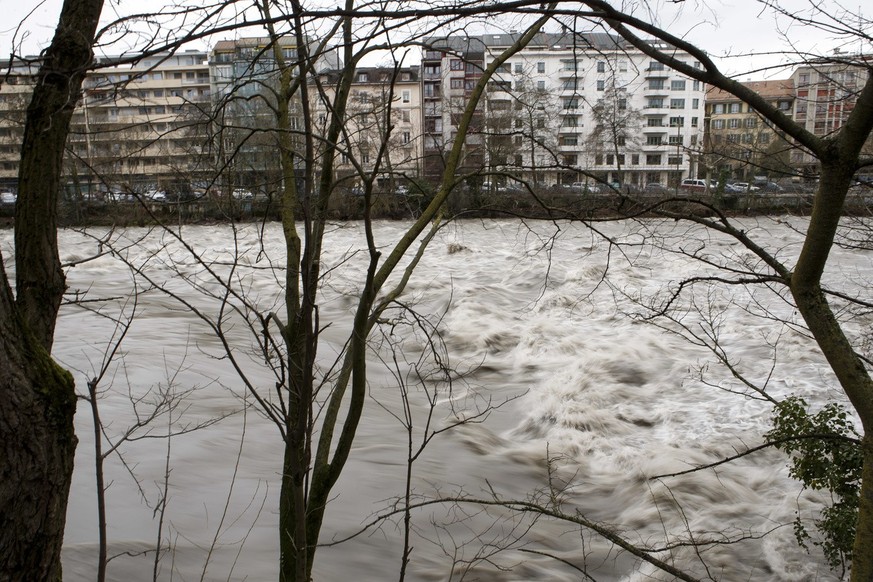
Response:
column 726, row 29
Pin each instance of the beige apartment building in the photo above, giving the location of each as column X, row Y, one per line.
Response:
column 384, row 107
column 138, row 126
column 739, row 143
column 16, row 85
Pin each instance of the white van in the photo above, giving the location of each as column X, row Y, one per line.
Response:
column 696, row 185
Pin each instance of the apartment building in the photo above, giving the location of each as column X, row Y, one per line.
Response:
column 825, row 95
column 740, row 144
column 450, row 68
column 137, row 126
column 566, row 108
column 384, row 108
column 142, row 126
column 16, row 85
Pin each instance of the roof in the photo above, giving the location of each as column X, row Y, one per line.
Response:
column 773, row 89
column 252, row 42
column 543, row 40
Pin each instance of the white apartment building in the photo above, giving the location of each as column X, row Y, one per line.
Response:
column 568, row 108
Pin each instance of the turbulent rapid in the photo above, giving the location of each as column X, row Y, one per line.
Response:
column 576, row 400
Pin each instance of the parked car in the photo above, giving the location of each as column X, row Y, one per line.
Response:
column 733, row 189
column 242, row 194
column 156, row 195
column 8, row 198
column 769, row 187
column 589, row 187
column 402, row 190
column 746, row 187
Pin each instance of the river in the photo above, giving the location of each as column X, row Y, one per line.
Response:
column 584, row 403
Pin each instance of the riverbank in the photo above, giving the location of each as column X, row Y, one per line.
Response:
column 547, row 204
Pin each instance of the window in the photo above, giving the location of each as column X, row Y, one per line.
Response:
column 571, row 103
column 541, row 67
column 504, row 68
column 736, row 108
column 518, row 68
column 695, row 103
column 674, row 160
column 541, row 123
column 620, row 158
column 635, row 159
column 571, row 85
column 655, row 103
column 610, row 159
column 541, row 85
column 159, row 92
column 695, row 85
column 656, row 66
column 733, row 138
column 622, row 104
column 601, row 85
column 784, row 105
column 456, row 83
column 653, row 140
column 570, row 140
column 747, row 138
column 656, row 84
column 764, row 137
column 718, row 109
column 406, row 96
column 570, row 160
column 620, row 140
column 718, row 124
column 570, row 65
column 598, row 160
column 804, row 78
column 733, row 123
column 675, row 140
column 601, row 67
column 677, row 85
column 677, row 103
column 693, row 122
column 571, row 121
column 405, row 137
column 677, row 121
column 622, row 66
column 655, row 122
column 653, row 159
column 751, row 122
column 365, row 158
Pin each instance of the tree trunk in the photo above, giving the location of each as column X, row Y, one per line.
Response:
column 39, row 278
column 36, row 458
column 37, row 441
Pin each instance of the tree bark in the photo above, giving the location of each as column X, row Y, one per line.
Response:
column 37, row 440
column 36, row 454
column 39, row 278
